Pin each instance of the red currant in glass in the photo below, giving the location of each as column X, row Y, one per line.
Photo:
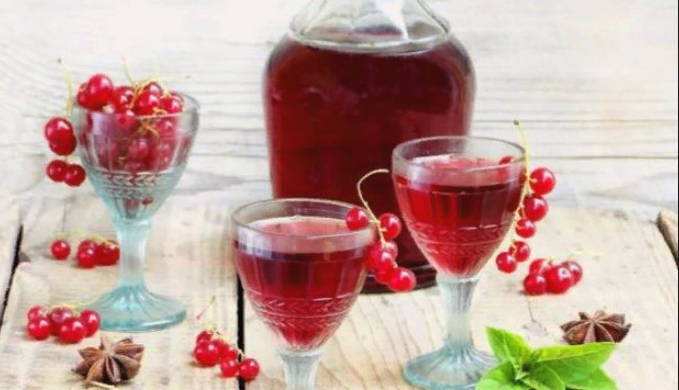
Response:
column 206, row 354
column 87, row 257
column 75, row 175
column 39, row 328
column 520, row 250
column 539, row 266
column 525, row 228
column 390, row 225
column 82, row 98
column 56, row 170
column 171, row 105
column 58, row 129
column 249, row 369
column 35, row 312
column 542, row 181
column 57, row 316
column 153, row 88
column 72, row 331
column 60, row 249
column 357, row 218
column 63, row 147
column 575, row 268
column 138, row 149
column 535, row 208
column 126, row 121
column 559, row 279
column 506, row 262
column 99, row 89
column 91, row 320
column 229, row 368
column 402, row 280
column 535, row 284
column 204, row 336
column 146, row 103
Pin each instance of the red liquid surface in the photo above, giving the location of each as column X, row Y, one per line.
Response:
column 302, row 289
column 458, row 219
column 333, row 116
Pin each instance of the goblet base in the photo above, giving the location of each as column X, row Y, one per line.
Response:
column 136, row 309
column 448, row 369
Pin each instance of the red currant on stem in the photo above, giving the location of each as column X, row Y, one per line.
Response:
column 57, row 316
column 390, row 225
column 357, row 218
column 171, row 105
column 87, row 257
column 535, row 284
column 535, row 208
column 380, row 259
column 539, row 266
column 63, row 147
column 229, row 368
column 98, row 91
column 60, row 249
column 107, row 253
column 575, row 268
column 75, row 175
column 402, row 280
column 56, row 170
column 153, row 88
column 39, row 328
column 559, row 279
column 204, row 336
column 520, row 250
column 58, row 130
column 121, row 98
column 506, row 262
column 542, row 181
column 72, row 330
column 206, row 354
column 146, row 103
column 249, row 369
column 91, row 320
column 525, row 228
column 35, row 312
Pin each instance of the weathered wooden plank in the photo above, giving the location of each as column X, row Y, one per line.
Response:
column 632, row 273
column 188, row 258
column 667, row 222
column 9, row 231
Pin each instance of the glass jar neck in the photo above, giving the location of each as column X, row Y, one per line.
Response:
column 369, row 25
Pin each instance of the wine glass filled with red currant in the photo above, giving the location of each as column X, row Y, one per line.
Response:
column 458, row 196
column 134, row 142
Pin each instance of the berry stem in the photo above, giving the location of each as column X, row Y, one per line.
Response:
column 202, row 312
column 69, row 87
column 526, row 184
column 371, row 215
column 126, row 70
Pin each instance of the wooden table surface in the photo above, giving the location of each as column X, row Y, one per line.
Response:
column 594, row 82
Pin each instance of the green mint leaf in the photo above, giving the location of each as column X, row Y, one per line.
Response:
column 500, row 378
column 509, row 347
column 574, row 362
column 598, row 380
column 543, row 378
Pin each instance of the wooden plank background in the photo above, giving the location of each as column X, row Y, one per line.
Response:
column 595, row 84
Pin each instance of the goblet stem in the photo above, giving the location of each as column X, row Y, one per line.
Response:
column 300, row 368
column 456, row 295
column 132, row 235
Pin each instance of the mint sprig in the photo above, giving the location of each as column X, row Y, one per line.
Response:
column 574, row 367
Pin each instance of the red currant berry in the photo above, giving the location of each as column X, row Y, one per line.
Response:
column 391, row 247
column 126, row 121
column 390, row 225
column 356, row 218
column 154, row 88
column 384, row 277
column 57, row 316
column 58, row 130
column 108, row 253
column 542, row 181
column 60, row 249
column 520, row 250
column 539, row 266
column 146, row 103
column 506, row 262
column 559, row 279
column 229, row 368
column 122, row 98
column 138, row 149
column 204, row 336
column 56, row 170
column 99, row 90
column 379, row 259
column 226, row 352
column 87, row 258
column 84, row 244
column 75, row 175
column 82, row 98
column 575, row 268
column 206, row 354
column 39, row 328
column 535, row 208
column 72, row 331
column 35, row 312
column 91, row 320
column 171, row 105
column 535, row 284
column 249, row 369
column 525, row 228
column 402, row 280
column 63, row 147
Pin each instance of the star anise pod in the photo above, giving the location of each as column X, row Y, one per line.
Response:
column 597, row 328
column 111, row 363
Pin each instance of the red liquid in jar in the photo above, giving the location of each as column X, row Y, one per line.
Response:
column 459, row 218
column 301, row 289
column 333, row 116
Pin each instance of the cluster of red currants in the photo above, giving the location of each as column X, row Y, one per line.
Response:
column 381, row 256
column 212, row 348
column 91, row 252
column 545, row 276
column 62, row 321
column 61, row 139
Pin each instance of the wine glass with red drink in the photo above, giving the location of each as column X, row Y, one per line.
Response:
column 301, row 269
column 458, row 196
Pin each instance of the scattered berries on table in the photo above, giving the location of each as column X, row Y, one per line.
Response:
column 60, row 249
column 64, row 322
column 212, row 348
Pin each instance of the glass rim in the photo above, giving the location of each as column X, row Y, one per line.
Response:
column 193, row 107
column 397, row 152
column 240, row 224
